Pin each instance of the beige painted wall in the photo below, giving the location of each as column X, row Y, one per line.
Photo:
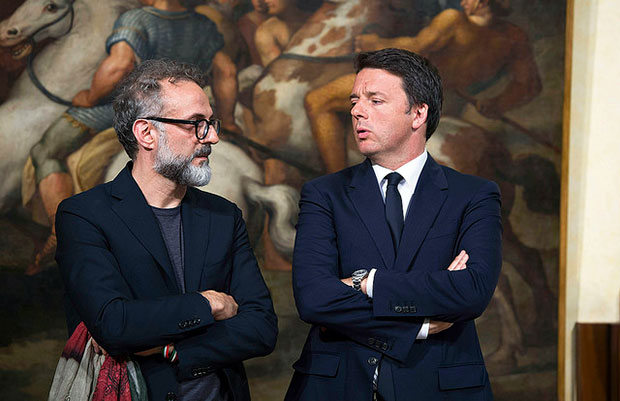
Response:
column 593, row 208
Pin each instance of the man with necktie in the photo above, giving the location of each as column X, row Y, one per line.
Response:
column 395, row 257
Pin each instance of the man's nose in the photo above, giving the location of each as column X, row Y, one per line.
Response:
column 212, row 136
column 358, row 111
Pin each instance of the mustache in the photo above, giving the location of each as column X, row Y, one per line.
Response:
column 204, row 151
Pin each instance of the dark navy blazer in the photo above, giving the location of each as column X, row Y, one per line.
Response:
column 342, row 228
column 120, row 282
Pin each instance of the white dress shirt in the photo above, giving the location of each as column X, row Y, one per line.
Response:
column 410, row 172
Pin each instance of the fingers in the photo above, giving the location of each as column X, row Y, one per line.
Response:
column 436, row 326
column 460, row 262
column 223, row 306
column 455, row 262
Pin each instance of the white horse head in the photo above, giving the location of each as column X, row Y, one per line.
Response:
column 64, row 66
column 38, row 20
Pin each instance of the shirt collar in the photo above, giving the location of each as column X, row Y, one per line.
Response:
column 410, row 171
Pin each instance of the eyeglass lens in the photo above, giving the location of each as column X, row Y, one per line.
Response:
column 203, row 127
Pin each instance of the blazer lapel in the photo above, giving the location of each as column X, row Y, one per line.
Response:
column 197, row 236
column 429, row 196
column 132, row 208
column 366, row 196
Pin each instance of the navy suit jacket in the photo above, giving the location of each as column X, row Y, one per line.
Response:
column 342, row 228
column 120, row 282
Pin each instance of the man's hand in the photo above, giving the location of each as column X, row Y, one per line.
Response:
column 349, row 281
column 223, row 306
column 435, row 326
column 152, row 351
column 99, row 349
column 460, row 262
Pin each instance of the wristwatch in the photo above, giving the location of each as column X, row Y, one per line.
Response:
column 357, row 278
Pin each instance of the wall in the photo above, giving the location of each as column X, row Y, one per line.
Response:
column 593, row 209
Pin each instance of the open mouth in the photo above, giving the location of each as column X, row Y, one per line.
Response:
column 362, row 133
column 21, row 50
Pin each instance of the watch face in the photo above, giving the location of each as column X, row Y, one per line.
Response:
column 359, row 273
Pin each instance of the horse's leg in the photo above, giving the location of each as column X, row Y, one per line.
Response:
column 322, row 104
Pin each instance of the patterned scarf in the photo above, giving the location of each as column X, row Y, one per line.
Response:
column 83, row 375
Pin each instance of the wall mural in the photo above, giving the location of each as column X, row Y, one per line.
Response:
column 502, row 120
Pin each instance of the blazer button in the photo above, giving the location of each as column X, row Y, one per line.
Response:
column 171, row 396
column 181, row 325
column 398, row 309
column 384, row 347
column 372, row 361
column 371, row 341
column 406, row 309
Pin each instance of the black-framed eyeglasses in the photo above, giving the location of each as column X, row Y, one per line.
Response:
column 201, row 126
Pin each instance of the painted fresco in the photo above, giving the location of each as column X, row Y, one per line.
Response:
column 502, row 120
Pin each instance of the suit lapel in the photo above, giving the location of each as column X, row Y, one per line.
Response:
column 366, row 196
column 133, row 210
column 196, row 233
column 430, row 194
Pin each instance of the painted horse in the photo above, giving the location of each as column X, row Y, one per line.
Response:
column 63, row 67
column 321, row 51
column 80, row 28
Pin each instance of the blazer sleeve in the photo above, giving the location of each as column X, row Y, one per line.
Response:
column 451, row 295
column 322, row 299
column 96, row 288
column 251, row 333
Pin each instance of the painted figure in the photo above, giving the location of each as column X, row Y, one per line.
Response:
column 248, row 24
column 75, row 25
column 163, row 28
column 471, row 49
column 273, row 35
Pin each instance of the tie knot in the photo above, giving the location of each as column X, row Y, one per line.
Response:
column 393, row 179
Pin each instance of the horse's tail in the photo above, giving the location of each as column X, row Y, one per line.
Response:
column 281, row 202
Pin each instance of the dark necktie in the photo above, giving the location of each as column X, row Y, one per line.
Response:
column 394, row 207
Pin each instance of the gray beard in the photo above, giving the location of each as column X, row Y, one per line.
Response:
column 178, row 168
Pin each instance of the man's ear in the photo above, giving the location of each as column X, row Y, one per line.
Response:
column 144, row 134
column 420, row 113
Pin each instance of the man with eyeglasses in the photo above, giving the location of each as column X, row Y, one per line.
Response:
column 159, row 29
column 159, row 270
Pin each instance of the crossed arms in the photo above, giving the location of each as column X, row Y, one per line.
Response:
column 440, row 294
column 123, row 324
